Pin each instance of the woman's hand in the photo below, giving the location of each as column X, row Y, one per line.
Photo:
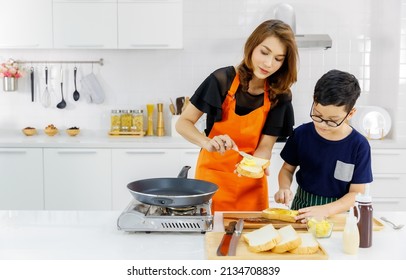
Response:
column 220, row 143
column 312, row 211
column 283, row 196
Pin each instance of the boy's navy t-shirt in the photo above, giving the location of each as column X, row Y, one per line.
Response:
column 327, row 168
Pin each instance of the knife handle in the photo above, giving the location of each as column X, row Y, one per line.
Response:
column 224, row 245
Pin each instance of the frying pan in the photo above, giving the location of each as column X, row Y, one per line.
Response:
column 173, row 192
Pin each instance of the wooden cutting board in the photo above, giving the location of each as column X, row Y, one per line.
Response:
column 253, row 220
column 213, row 239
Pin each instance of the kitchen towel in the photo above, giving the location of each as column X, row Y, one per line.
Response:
column 91, row 87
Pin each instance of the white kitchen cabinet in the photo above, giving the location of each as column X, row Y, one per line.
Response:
column 388, row 189
column 188, row 157
column 77, row 179
column 85, row 24
column 21, row 179
column 150, row 24
column 130, row 165
column 26, row 24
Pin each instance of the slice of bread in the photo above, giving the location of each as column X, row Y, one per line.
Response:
column 280, row 214
column 290, row 240
column 262, row 239
column 252, row 167
column 308, row 246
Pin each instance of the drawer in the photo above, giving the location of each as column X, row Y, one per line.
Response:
column 388, row 161
column 389, row 185
column 389, row 204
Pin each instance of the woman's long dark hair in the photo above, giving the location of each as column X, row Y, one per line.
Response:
column 281, row 80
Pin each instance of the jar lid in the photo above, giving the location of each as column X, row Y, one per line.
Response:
column 138, row 111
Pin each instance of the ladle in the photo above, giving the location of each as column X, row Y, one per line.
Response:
column 61, row 104
column 76, row 94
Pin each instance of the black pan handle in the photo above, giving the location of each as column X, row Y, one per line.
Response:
column 183, row 172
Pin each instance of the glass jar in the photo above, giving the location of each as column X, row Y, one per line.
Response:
column 126, row 119
column 137, row 124
column 115, row 125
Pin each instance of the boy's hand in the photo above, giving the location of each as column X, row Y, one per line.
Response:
column 283, row 196
column 312, row 211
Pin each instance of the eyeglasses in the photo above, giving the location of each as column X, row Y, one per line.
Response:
column 328, row 122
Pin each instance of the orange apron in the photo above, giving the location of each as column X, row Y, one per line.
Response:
column 235, row 193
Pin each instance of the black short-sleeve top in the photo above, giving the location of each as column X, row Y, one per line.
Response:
column 210, row 95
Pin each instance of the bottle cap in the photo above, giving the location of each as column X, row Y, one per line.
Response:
column 365, row 197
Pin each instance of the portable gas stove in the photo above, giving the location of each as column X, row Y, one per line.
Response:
column 139, row 216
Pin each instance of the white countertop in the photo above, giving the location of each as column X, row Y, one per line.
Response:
column 83, row 235
column 101, row 139
column 88, row 139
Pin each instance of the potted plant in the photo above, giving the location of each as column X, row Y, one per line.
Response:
column 10, row 72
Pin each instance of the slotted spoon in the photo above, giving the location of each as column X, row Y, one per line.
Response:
column 394, row 226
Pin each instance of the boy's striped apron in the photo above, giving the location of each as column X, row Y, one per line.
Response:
column 304, row 199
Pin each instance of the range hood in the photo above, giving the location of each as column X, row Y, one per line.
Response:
column 286, row 13
column 313, row 41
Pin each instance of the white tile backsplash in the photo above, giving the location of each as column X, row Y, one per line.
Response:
column 366, row 38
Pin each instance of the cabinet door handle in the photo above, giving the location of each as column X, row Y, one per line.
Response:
column 386, row 201
column 385, row 153
column 387, row 176
column 149, row 45
column 145, row 153
column 31, row 46
column 144, row 1
column 13, row 152
column 85, row 46
column 192, row 152
column 77, row 152
column 79, row 1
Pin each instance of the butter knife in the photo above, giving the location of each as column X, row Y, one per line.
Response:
column 244, row 154
column 222, row 250
column 236, row 237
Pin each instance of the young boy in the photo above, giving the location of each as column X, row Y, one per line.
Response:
column 334, row 158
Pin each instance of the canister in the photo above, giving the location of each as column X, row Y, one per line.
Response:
column 137, row 124
column 115, row 120
column 126, row 120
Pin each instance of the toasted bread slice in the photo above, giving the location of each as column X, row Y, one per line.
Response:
column 262, row 239
column 308, row 246
column 290, row 240
column 252, row 167
column 280, row 214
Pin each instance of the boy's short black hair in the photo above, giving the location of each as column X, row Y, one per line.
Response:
column 337, row 88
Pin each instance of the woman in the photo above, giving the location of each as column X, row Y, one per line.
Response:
column 248, row 107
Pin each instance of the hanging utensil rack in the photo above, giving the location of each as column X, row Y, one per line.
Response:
column 100, row 61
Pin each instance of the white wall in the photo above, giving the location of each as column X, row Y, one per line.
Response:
column 368, row 41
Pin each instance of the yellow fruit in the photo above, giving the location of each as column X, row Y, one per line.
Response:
column 321, row 228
